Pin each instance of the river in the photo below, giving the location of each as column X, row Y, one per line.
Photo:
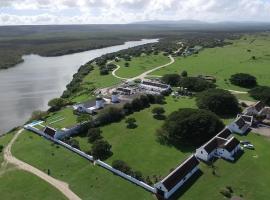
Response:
column 29, row 86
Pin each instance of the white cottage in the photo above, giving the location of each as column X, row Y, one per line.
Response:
column 222, row 145
column 239, row 126
column 171, row 183
column 255, row 109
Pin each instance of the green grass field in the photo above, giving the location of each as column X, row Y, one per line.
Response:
column 138, row 65
column 222, row 62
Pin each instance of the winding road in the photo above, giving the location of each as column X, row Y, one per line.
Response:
column 143, row 75
column 59, row 185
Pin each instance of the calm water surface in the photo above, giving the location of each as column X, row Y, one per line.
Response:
column 30, row 85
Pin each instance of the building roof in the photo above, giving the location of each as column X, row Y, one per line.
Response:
column 247, row 118
column 231, row 144
column 49, row 131
column 259, row 106
column 240, row 122
column 180, row 172
column 225, row 133
column 155, row 84
column 214, row 143
column 126, row 90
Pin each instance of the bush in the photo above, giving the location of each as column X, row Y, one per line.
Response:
column 196, row 84
column 109, row 115
column 1, row 148
column 184, row 73
column 128, row 108
column 38, row 115
column 121, row 166
column 189, row 126
column 94, row 134
column 261, row 93
column 57, row 103
column 81, row 118
column 137, row 104
column 171, row 79
column 225, row 192
column 158, row 113
column 131, row 123
column 219, row 101
column 243, row 80
column 104, row 71
column 101, row 149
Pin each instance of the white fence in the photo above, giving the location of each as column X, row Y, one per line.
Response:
column 125, row 176
column 98, row 162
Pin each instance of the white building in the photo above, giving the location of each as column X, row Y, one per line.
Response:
column 255, row 109
column 154, row 86
column 115, row 97
column 239, row 126
column 220, row 146
column 90, row 107
column 171, row 183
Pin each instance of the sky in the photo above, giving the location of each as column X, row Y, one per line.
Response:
column 25, row 12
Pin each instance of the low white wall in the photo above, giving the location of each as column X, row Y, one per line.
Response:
column 125, row 176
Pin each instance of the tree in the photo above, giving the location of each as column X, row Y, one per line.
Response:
column 189, row 127
column 109, row 115
column 184, row 73
column 261, row 93
column 137, row 104
column 38, row 115
column 131, row 122
column 101, row 149
column 94, row 134
column 1, row 148
column 158, row 112
column 128, row 109
column 104, row 71
column 219, row 101
column 243, row 80
column 83, row 118
column 126, row 64
column 195, row 84
column 171, row 79
column 74, row 143
column 144, row 100
column 121, row 166
column 57, row 103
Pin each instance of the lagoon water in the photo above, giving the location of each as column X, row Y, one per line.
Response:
column 30, row 85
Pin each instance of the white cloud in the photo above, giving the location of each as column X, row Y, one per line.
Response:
column 122, row 11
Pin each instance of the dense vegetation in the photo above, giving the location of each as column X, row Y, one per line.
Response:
column 243, row 80
column 190, row 127
column 219, row 101
column 261, row 93
column 196, row 84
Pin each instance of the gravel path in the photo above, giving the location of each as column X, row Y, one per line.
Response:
column 59, row 185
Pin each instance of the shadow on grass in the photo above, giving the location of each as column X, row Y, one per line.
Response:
column 187, row 185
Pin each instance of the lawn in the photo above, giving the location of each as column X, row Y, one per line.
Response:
column 222, row 62
column 21, row 185
column 138, row 65
column 86, row 180
column 249, row 176
column 139, row 148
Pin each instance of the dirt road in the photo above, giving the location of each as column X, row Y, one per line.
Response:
column 60, row 185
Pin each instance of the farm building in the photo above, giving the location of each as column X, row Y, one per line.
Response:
column 255, row 109
column 222, row 145
column 171, row 183
column 124, row 91
column 154, row 86
column 90, row 106
column 239, row 126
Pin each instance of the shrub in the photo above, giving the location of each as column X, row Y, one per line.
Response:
column 126, row 64
column 225, row 192
column 184, row 73
column 189, row 126
column 261, row 93
column 109, row 115
column 81, row 118
column 219, row 101
column 1, row 148
column 171, row 79
column 131, row 123
column 121, row 166
column 196, row 84
column 104, row 71
column 243, row 80
column 38, row 115
column 101, row 149
column 137, row 104
column 128, row 108
column 158, row 112
column 94, row 134
column 57, row 103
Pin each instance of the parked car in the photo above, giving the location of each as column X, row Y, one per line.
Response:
column 244, row 142
column 248, row 146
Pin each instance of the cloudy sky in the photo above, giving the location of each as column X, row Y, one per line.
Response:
column 14, row 12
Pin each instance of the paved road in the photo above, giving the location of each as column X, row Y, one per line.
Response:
column 60, row 185
column 143, row 75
